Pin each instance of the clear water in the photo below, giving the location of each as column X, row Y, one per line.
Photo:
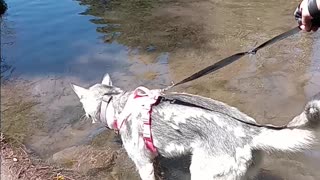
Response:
column 50, row 44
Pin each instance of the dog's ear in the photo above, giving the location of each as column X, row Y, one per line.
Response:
column 106, row 80
column 80, row 91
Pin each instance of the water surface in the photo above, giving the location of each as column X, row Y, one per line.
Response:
column 50, row 44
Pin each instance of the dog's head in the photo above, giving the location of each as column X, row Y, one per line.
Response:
column 91, row 98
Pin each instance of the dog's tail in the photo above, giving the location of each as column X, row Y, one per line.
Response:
column 298, row 135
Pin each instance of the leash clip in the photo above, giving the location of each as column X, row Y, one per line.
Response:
column 252, row 52
column 168, row 87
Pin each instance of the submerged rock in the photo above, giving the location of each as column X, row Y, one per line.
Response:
column 85, row 158
column 96, row 162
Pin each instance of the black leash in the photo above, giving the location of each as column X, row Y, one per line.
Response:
column 184, row 103
column 226, row 61
column 276, row 39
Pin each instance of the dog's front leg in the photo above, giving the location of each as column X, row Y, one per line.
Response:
column 146, row 171
column 142, row 159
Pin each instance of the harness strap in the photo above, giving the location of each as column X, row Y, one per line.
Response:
column 103, row 111
column 126, row 112
column 149, row 99
column 141, row 101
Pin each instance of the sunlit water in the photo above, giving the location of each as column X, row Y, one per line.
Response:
column 50, row 44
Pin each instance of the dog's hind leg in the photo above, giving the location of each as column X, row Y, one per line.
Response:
column 209, row 167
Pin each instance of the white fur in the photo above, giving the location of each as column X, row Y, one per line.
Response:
column 243, row 159
column 110, row 116
column 208, row 167
column 106, row 80
column 174, row 149
column 243, row 166
column 80, row 91
column 86, row 98
column 238, row 132
column 220, row 122
column 284, row 140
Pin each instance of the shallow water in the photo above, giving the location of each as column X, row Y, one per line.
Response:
column 50, row 44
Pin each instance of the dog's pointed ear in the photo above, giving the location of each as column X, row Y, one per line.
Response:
column 80, row 91
column 106, row 80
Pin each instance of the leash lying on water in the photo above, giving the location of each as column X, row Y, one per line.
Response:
column 226, row 61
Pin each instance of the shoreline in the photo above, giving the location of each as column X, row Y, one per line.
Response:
column 17, row 162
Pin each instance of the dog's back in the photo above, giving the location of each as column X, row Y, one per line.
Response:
column 183, row 121
column 223, row 138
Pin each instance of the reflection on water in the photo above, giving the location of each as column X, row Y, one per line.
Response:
column 150, row 42
column 6, row 68
column 141, row 23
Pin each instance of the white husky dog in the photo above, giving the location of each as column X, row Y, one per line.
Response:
column 225, row 143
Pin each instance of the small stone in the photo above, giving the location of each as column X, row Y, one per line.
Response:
column 15, row 159
column 151, row 48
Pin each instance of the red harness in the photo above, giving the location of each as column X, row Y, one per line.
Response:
column 141, row 101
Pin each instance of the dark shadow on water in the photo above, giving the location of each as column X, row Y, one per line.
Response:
column 178, row 169
column 174, row 168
